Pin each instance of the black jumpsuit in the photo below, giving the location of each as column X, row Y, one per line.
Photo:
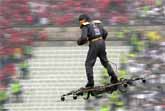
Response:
column 91, row 31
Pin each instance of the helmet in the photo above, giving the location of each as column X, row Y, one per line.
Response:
column 84, row 17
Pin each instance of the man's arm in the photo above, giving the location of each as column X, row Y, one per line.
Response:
column 105, row 33
column 83, row 39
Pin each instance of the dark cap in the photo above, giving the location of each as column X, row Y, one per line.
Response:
column 84, row 17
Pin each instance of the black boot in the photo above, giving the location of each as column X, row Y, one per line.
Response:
column 90, row 84
column 114, row 80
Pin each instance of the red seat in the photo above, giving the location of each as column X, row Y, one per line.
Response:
column 8, row 51
column 9, row 69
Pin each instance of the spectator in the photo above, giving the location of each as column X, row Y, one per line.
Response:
column 17, row 55
column 3, row 98
column 24, row 68
column 27, row 51
column 16, row 90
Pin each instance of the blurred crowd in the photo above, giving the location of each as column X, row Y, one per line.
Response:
column 146, row 59
column 15, row 52
column 15, row 49
column 65, row 12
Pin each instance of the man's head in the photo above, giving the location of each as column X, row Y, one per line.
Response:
column 84, row 18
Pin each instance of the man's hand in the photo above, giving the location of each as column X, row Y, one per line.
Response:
column 81, row 41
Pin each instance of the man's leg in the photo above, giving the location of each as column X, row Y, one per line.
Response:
column 111, row 73
column 105, row 63
column 90, row 61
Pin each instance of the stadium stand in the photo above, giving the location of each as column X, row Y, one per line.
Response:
column 47, row 68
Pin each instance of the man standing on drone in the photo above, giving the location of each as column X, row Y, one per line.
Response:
column 94, row 32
